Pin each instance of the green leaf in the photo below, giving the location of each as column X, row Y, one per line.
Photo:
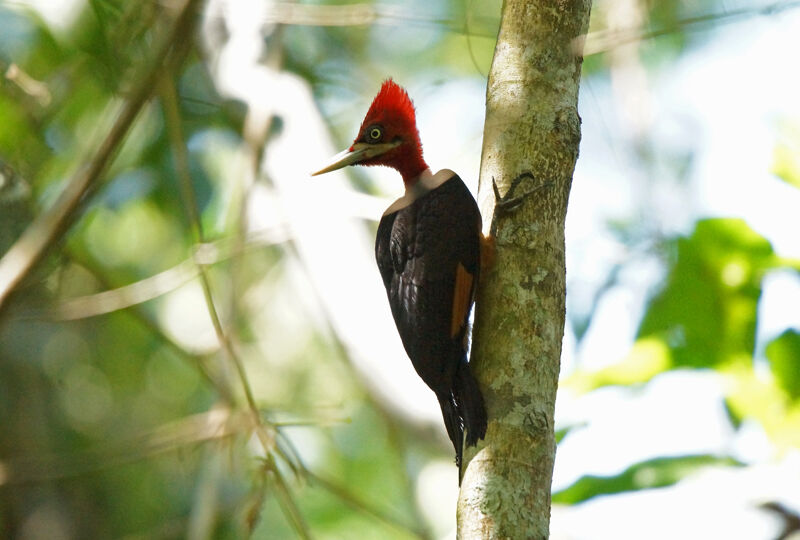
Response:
column 783, row 354
column 647, row 358
column 706, row 313
column 653, row 473
column 786, row 164
column 733, row 415
column 750, row 395
column 786, row 155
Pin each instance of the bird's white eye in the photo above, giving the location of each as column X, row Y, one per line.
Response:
column 374, row 134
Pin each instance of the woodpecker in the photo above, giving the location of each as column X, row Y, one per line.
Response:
column 428, row 254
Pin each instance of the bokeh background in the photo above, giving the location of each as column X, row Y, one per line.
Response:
column 124, row 409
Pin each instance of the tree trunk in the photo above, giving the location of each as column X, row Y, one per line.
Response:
column 530, row 146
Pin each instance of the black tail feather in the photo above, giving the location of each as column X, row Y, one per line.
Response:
column 470, row 404
column 463, row 410
column 453, row 423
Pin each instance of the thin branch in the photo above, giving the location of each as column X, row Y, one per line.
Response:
column 157, row 285
column 287, row 13
column 266, row 437
column 126, row 296
column 32, row 87
column 52, row 224
column 606, row 40
column 361, row 506
column 255, row 502
column 351, row 15
column 468, row 36
column 339, row 491
column 212, row 425
column 173, row 121
column 219, row 383
column 287, row 501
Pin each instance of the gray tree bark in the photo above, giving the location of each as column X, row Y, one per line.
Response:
column 530, row 146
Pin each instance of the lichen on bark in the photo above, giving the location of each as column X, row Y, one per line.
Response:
column 531, row 135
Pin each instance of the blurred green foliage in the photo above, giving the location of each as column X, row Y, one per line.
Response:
column 653, row 473
column 705, row 317
column 786, row 159
column 706, row 313
column 783, row 353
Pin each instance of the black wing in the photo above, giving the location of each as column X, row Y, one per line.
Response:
column 428, row 255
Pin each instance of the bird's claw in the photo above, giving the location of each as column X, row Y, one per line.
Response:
column 510, row 202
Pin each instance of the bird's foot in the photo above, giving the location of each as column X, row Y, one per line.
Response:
column 510, row 202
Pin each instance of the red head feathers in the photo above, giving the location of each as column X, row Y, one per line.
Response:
column 393, row 108
column 392, row 113
column 388, row 136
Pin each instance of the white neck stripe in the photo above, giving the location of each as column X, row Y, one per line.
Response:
column 426, row 182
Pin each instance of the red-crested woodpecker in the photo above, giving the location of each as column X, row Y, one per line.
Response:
column 428, row 251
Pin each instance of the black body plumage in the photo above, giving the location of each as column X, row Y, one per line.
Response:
column 428, row 254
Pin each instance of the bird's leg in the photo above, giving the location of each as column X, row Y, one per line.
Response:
column 509, row 202
column 503, row 206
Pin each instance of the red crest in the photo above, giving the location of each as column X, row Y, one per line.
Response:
column 393, row 105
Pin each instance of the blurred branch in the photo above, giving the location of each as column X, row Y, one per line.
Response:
column 367, row 14
column 468, row 35
column 29, row 85
column 212, row 425
column 124, row 297
column 159, row 284
column 252, row 513
column 319, row 15
column 206, row 503
column 173, row 121
column 255, row 131
column 215, row 378
column 593, row 43
column 266, row 437
column 341, row 492
column 286, row 500
column 789, row 519
column 218, row 423
column 606, row 40
column 361, row 506
column 52, row 224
